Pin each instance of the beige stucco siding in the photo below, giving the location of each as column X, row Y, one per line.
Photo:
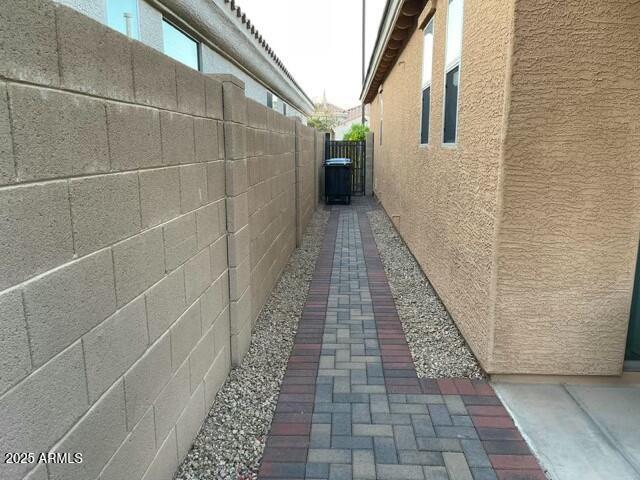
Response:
column 446, row 197
column 571, row 204
column 528, row 228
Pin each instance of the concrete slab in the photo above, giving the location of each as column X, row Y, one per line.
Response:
column 616, row 410
column 568, row 442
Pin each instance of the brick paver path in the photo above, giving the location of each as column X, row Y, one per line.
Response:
column 351, row 404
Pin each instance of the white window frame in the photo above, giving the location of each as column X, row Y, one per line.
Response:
column 190, row 37
column 457, row 62
column 425, row 85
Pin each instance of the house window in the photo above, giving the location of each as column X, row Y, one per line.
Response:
column 122, row 15
column 180, row 46
column 427, row 64
column 452, row 70
column 272, row 101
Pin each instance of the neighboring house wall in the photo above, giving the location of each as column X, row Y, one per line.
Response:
column 443, row 199
column 528, row 227
column 150, row 26
column 124, row 292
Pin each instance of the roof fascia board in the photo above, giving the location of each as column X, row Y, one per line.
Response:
column 381, row 44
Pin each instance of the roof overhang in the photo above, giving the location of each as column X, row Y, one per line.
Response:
column 398, row 23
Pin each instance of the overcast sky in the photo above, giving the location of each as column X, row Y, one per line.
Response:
column 319, row 42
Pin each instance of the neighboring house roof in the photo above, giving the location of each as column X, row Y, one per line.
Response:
column 356, row 112
column 233, row 35
column 398, row 22
column 323, row 106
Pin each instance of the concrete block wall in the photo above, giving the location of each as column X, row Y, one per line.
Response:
column 319, row 165
column 145, row 214
column 261, row 192
column 305, row 177
column 271, row 192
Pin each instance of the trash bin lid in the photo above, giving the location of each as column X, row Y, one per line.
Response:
column 338, row 161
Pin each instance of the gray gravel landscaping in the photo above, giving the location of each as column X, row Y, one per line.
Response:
column 231, row 441
column 437, row 347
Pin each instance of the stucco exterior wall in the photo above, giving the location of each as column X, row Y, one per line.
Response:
column 528, row 228
column 443, row 199
column 570, row 216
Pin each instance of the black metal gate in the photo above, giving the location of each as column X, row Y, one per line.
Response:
column 356, row 151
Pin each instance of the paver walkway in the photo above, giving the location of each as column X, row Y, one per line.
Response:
column 351, row 404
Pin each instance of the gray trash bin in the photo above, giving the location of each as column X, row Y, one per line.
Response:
column 337, row 180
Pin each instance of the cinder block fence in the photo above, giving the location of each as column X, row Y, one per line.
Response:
column 146, row 211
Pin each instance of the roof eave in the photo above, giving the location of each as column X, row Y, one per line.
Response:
column 396, row 26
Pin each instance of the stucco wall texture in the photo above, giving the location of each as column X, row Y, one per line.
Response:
column 145, row 213
column 443, row 200
column 528, row 227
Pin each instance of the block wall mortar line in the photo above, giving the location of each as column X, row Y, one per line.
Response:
column 13, row 143
column 77, row 258
column 140, row 208
column 26, row 325
column 58, row 49
column 73, row 235
column 86, row 380
column 106, row 121
column 100, row 174
column 70, row 91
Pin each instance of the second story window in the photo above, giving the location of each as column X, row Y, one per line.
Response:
column 427, row 65
column 180, row 46
column 452, row 70
column 122, row 15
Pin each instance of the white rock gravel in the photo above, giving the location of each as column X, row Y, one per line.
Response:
column 231, row 442
column 437, row 347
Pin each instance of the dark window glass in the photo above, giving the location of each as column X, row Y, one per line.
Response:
column 426, row 104
column 269, row 100
column 451, row 106
column 180, row 46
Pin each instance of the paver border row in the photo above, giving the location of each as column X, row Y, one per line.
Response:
column 496, row 440
column 285, row 454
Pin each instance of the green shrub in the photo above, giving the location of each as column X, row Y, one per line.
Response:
column 356, row 132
